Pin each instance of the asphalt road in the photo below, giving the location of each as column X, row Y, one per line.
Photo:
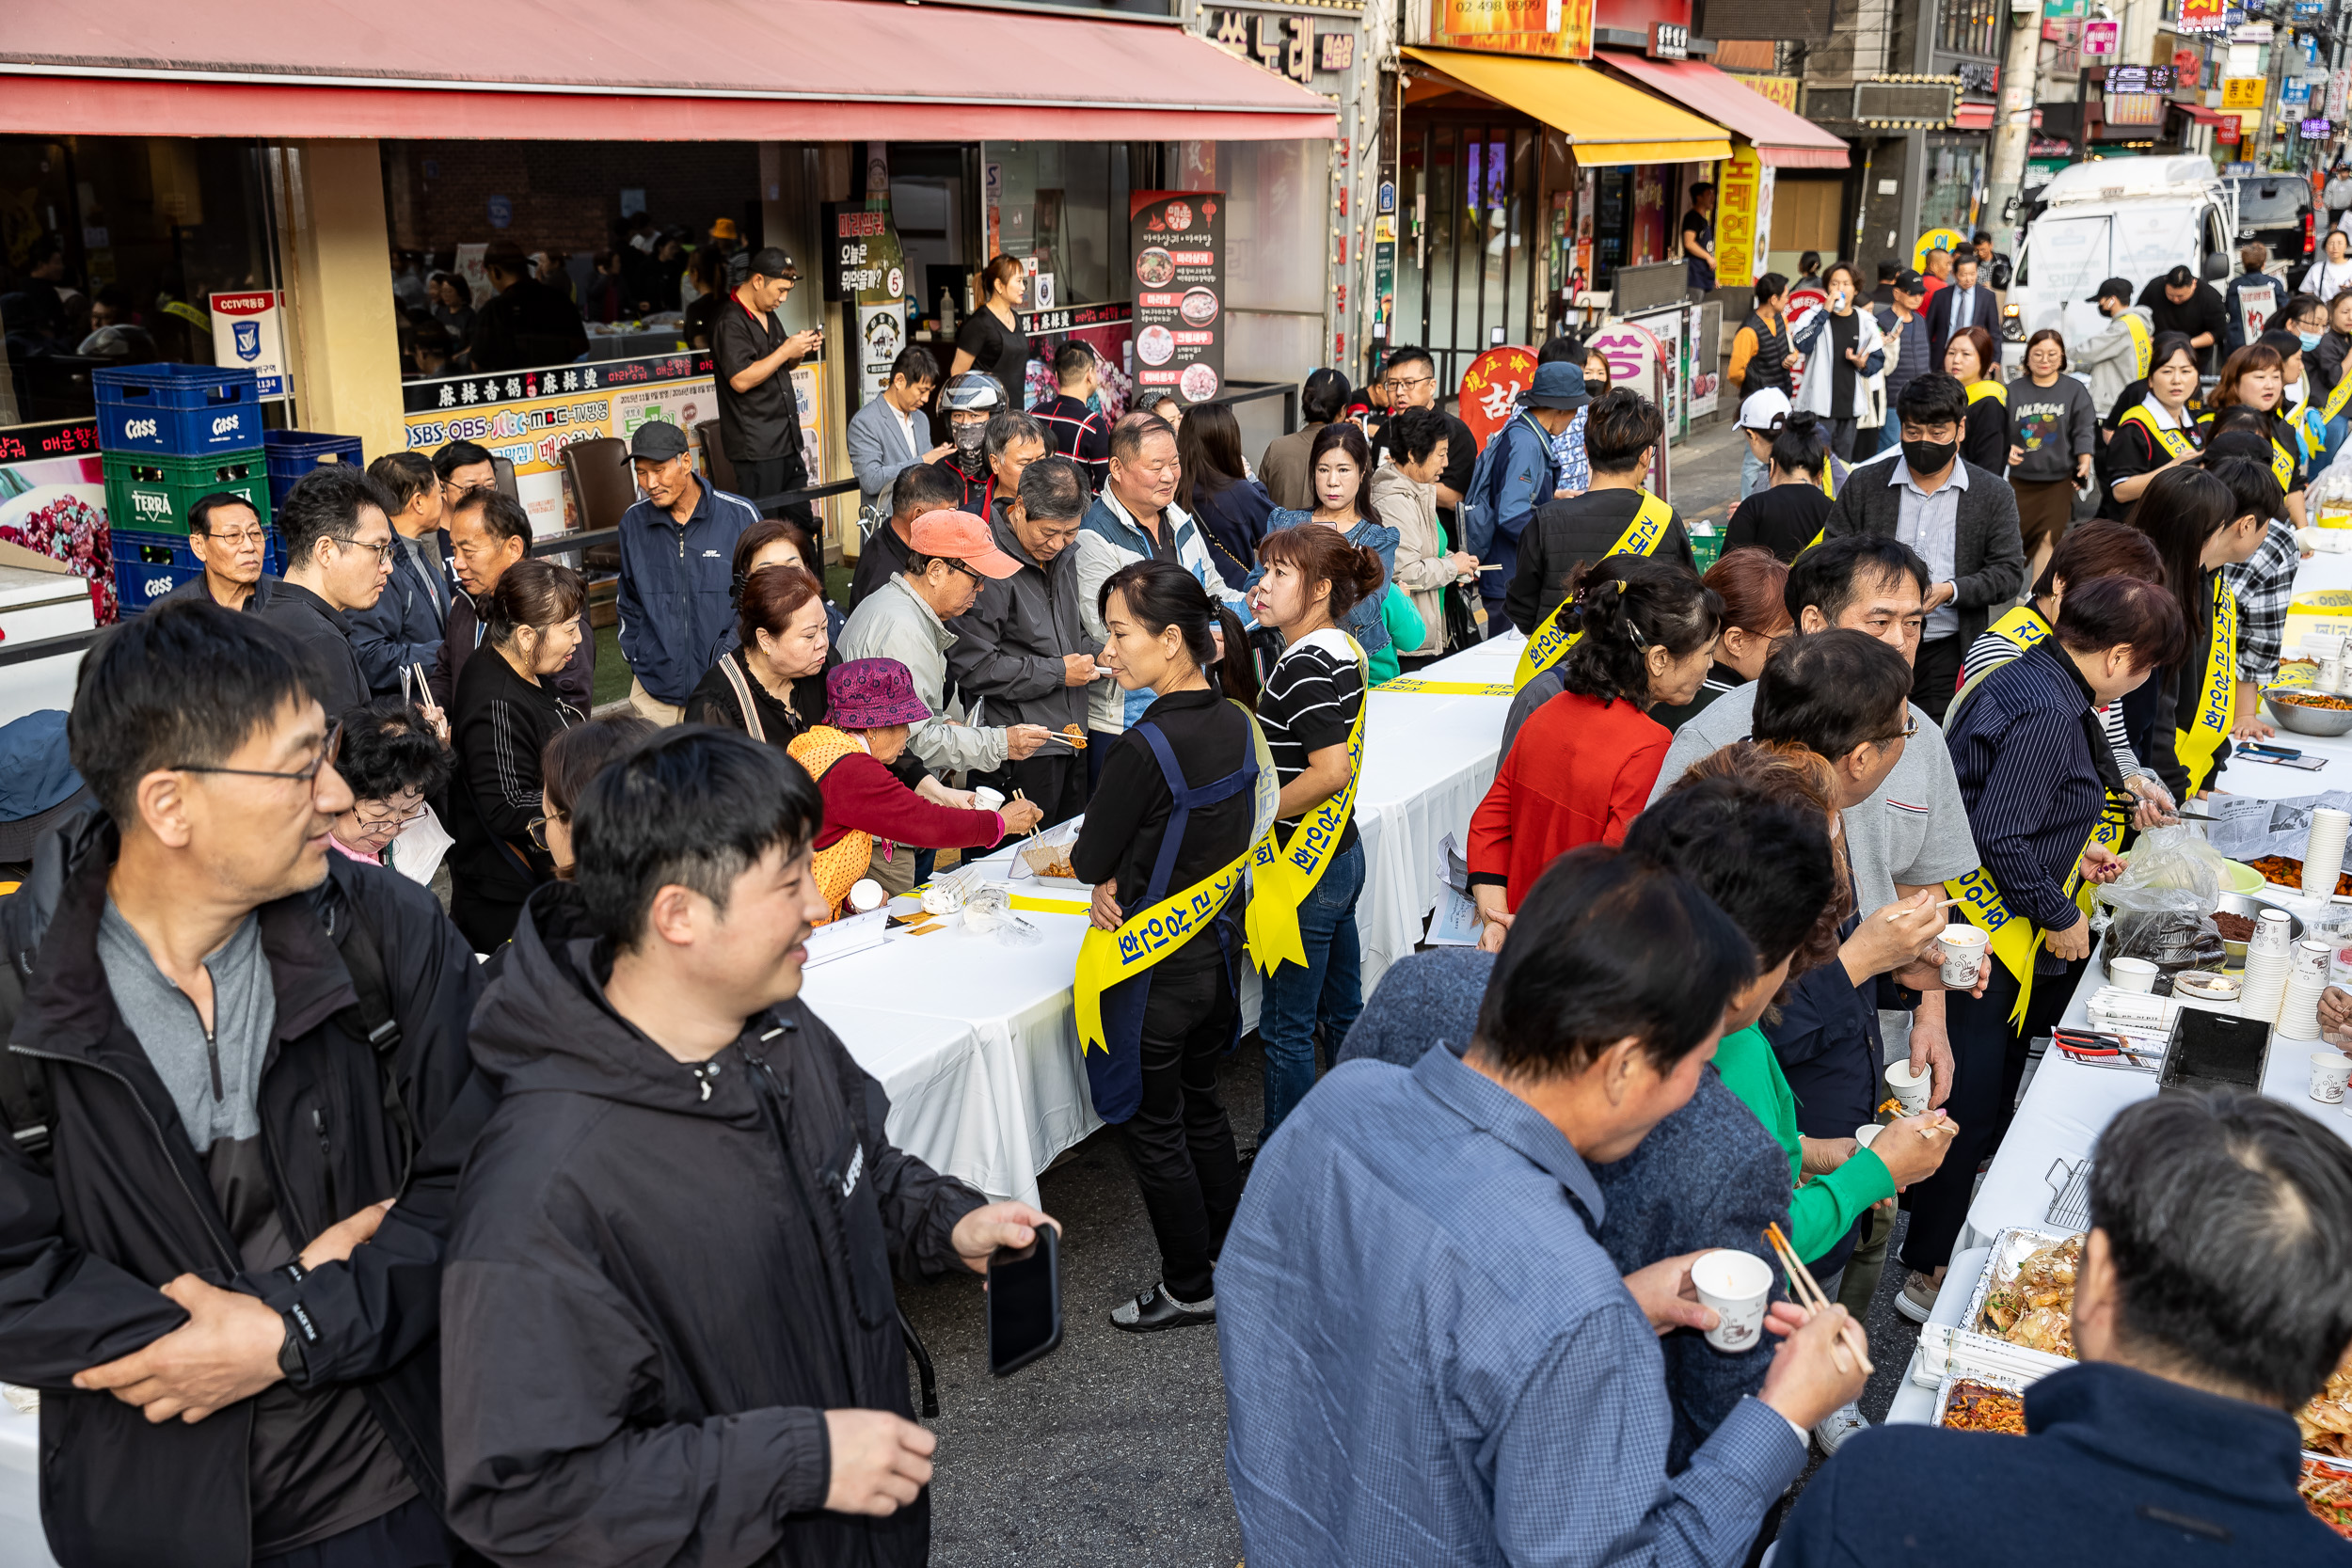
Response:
column 1113, row 1448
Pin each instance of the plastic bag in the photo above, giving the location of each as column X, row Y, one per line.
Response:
column 2164, row 902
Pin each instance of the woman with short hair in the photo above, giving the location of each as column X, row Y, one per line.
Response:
column 502, row 716
column 772, row 684
column 1972, row 359
column 393, row 761
column 1753, row 585
column 1416, row 448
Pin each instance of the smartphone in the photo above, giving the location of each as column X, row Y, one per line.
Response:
column 1024, row 1302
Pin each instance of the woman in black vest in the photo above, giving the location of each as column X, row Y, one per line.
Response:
column 1761, row 354
column 1177, row 804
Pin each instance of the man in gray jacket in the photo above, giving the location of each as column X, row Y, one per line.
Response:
column 891, row 433
column 950, row 555
column 1022, row 652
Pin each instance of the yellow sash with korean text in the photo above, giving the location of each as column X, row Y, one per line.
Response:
column 2336, row 400
column 1997, row 390
column 2174, row 442
column 2014, row 938
column 2143, row 343
column 2215, row 692
column 1150, row 934
column 1552, row 639
column 2281, row 460
column 1283, row 875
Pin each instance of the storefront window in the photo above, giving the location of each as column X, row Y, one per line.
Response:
column 1477, row 266
column 1968, row 26
column 1276, row 248
column 1955, row 173
column 110, row 250
column 1057, row 202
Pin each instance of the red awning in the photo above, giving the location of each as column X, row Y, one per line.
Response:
column 2203, row 116
column 1782, row 140
column 619, row 71
column 1972, row 117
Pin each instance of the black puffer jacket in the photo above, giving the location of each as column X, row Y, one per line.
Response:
column 124, row 1205
column 662, row 1275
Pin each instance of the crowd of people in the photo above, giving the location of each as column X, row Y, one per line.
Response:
column 345, row 1229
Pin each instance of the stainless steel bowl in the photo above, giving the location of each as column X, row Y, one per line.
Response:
column 2251, row 908
column 2307, row 720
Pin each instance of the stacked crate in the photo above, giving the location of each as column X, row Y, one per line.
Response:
column 170, row 435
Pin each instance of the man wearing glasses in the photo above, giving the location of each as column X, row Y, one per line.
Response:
column 463, row 467
column 1022, row 652
column 227, row 535
column 1411, row 380
column 204, row 1132
column 338, row 534
column 950, row 554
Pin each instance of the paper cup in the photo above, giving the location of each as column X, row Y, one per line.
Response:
column 867, row 894
column 1738, row 1285
column 989, row 800
column 1963, row 950
column 2330, row 1072
column 1910, row 1088
column 2312, row 958
column 1869, row 1129
column 2132, row 973
column 2272, row 934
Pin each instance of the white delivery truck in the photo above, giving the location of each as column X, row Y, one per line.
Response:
column 2135, row 218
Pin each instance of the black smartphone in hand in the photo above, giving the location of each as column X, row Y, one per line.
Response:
column 1024, row 1302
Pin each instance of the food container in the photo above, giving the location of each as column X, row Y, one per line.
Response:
column 2251, row 907
column 1952, row 1380
column 2203, row 985
column 2011, row 1248
column 2303, row 718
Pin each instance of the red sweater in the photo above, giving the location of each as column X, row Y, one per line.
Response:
column 861, row 793
column 1578, row 772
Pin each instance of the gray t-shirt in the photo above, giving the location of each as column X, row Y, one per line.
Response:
column 318, row 1462
column 1913, row 830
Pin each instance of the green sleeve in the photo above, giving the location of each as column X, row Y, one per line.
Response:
column 1825, row 1208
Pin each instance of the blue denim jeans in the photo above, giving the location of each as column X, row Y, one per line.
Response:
column 1329, row 990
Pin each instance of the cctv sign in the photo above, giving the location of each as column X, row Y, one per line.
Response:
column 246, row 335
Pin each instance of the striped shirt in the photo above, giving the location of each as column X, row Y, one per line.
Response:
column 2265, row 586
column 1989, row 650
column 2021, row 748
column 1311, row 700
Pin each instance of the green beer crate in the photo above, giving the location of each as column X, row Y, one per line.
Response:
column 1707, row 548
column 149, row 492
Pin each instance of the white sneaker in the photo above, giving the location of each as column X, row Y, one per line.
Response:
column 1839, row 1425
column 1917, row 1299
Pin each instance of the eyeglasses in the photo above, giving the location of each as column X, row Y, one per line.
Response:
column 240, row 536
column 1911, row 727
column 383, row 551
column 537, row 829
column 327, row 754
column 376, row 821
column 978, row 576
column 1399, row 383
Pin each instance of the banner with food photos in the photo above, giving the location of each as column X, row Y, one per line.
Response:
column 1176, row 239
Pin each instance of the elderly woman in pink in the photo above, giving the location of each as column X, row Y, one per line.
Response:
column 391, row 761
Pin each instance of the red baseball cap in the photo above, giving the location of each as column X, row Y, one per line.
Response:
column 961, row 536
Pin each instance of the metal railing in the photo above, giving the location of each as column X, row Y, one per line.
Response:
column 553, row 543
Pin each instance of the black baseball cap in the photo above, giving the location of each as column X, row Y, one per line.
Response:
column 2117, row 288
column 657, row 441
column 2178, row 278
column 1909, row 282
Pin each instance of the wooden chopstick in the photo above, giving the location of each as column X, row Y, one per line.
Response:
column 1024, row 801
column 1808, row 1290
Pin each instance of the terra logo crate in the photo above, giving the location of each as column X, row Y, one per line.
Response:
column 178, row 410
column 151, row 493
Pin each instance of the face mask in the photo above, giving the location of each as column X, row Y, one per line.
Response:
column 2309, row 340
column 1929, row 457
column 2293, row 395
column 969, row 438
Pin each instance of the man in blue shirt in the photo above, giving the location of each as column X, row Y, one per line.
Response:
column 1429, row 1359
column 2214, row 1295
column 676, row 597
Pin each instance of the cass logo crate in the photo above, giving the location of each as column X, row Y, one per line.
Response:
column 178, row 410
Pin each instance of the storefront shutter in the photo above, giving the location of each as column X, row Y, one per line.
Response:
column 1763, row 18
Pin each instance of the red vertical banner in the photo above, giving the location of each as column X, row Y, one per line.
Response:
column 1177, row 243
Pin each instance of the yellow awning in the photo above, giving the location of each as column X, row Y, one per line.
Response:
column 1607, row 121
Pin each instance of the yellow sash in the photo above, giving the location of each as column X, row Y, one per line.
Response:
column 2174, row 442
column 1552, row 639
column 1281, row 875
column 2197, row 744
column 2336, row 400
column 2143, row 343
column 1828, row 488
column 838, row 865
column 1997, row 390
column 1448, row 688
column 2013, row 940
column 2281, row 460
column 1149, row 935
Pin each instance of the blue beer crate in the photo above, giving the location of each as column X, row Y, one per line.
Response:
column 294, row 453
column 136, row 585
column 178, row 410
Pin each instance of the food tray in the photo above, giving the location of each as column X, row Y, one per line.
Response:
column 2009, row 1248
column 1944, row 1390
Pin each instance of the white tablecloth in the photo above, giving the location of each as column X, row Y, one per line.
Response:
column 21, row 1543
